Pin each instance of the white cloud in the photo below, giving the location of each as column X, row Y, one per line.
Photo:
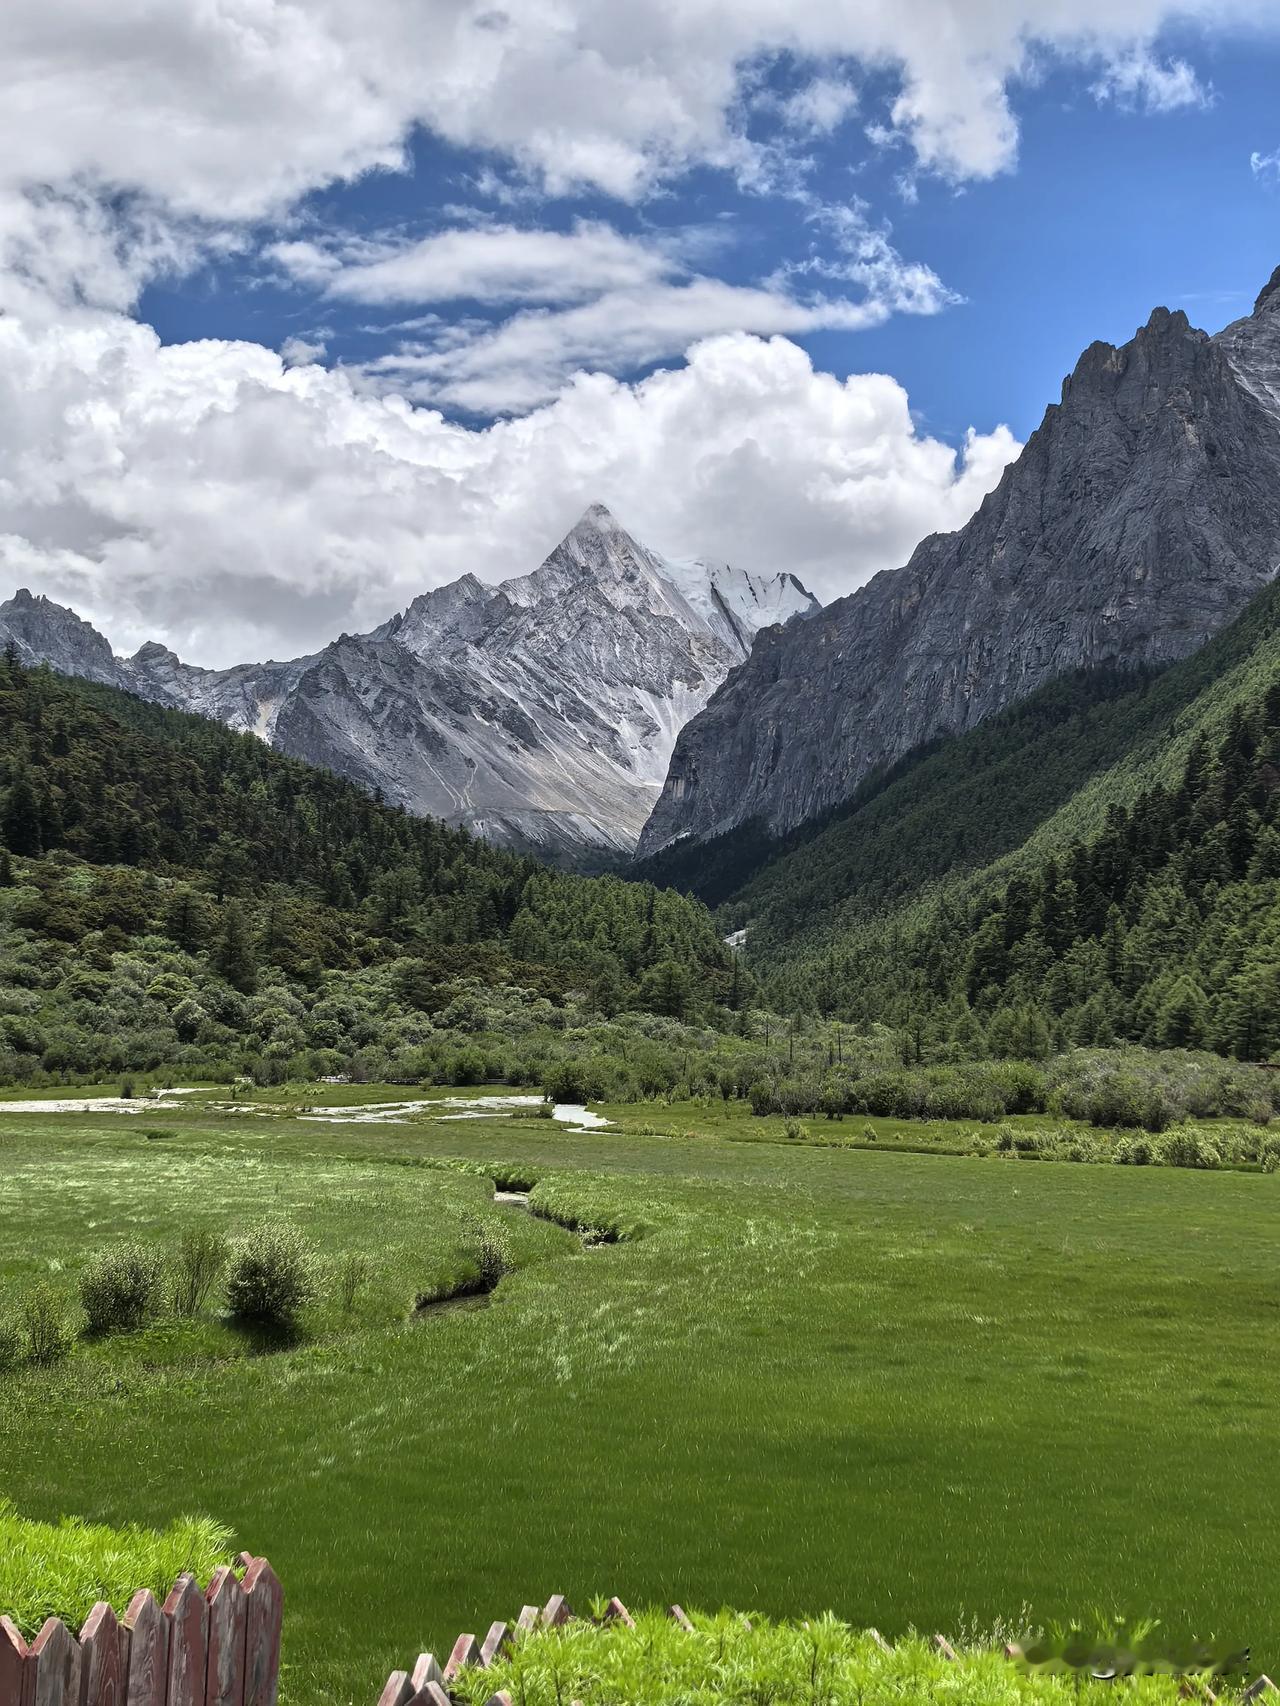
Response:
column 209, row 496
column 526, row 359
column 821, row 106
column 594, row 299
column 1266, row 167
column 297, row 352
column 185, row 120
column 1140, row 81
column 491, row 264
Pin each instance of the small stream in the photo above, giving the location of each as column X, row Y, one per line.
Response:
column 480, row 1299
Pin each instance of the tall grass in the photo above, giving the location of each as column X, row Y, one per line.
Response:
column 61, row 1569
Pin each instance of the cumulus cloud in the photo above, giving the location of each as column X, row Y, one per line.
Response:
column 229, row 499
column 197, row 118
column 820, row 106
column 297, row 352
column 1265, row 167
column 210, row 496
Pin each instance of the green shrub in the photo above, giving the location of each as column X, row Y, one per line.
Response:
column 1118, row 1100
column 46, row 1324
column 197, row 1267
column 1136, row 1152
column 1157, row 1110
column 354, row 1273
column 1189, row 1148
column 795, row 1131
column 120, row 1288
column 271, row 1278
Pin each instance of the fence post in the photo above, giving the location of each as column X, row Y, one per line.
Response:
column 228, row 1628
column 55, row 1661
column 17, row 1676
column 265, row 1604
column 188, row 1620
column 102, row 1674
column 144, row 1651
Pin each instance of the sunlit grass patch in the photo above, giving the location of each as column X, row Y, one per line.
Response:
column 914, row 1388
column 61, row 1569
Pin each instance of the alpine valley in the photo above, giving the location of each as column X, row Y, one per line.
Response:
column 540, row 713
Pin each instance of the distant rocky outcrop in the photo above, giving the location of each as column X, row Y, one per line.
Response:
column 1140, row 518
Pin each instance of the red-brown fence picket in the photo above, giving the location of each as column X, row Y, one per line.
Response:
column 427, row 1685
column 219, row 1647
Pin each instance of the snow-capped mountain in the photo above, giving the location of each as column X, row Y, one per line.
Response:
column 541, row 712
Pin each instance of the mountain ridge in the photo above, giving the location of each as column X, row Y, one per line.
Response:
column 1139, row 519
column 540, row 711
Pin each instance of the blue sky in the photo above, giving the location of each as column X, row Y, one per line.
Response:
column 306, row 309
column 1110, row 211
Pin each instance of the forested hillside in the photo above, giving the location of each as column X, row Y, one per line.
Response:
column 173, row 891
column 931, row 904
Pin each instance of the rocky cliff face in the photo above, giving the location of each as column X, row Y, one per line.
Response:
column 541, row 712
column 1143, row 514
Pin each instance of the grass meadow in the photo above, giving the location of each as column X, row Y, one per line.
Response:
column 919, row 1390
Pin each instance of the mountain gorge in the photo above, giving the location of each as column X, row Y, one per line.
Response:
column 540, row 713
column 1140, row 519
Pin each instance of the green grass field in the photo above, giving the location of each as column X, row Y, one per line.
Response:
column 914, row 1389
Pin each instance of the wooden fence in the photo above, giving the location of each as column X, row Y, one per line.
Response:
column 427, row 1684
column 219, row 1647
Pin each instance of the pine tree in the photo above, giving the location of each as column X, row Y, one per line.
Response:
column 1183, row 1019
column 20, row 818
column 185, row 920
column 233, row 955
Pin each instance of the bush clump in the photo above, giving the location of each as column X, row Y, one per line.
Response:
column 47, row 1328
column 197, row 1267
column 271, row 1278
column 120, row 1288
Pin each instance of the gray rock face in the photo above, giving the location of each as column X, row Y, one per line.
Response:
column 1141, row 517
column 43, row 632
column 540, row 712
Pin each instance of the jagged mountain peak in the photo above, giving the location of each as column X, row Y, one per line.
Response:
column 541, row 711
column 598, row 518
column 52, row 633
column 1140, row 518
column 1252, row 346
column 152, row 652
column 1269, row 295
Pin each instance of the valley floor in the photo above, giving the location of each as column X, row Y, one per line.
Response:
column 928, row 1390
